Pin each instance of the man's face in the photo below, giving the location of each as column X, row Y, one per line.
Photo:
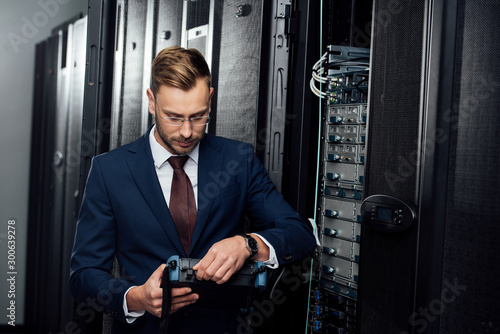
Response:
column 174, row 102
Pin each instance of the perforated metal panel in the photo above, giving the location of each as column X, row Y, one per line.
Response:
column 472, row 233
column 441, row 277
column 238, row 77
column 169, row 22
column 127, row 121
column 395, row 100
column 387, row 273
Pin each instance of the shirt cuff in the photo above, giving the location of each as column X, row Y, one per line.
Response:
column 272, row 262
column 130, row 316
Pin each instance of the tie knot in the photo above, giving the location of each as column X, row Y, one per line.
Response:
column 178, row 161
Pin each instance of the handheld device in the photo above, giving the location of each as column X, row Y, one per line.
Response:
column 237, row 292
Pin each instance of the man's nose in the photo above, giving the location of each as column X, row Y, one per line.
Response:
column 186, row 129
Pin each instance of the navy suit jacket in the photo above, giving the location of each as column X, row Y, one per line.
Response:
column 124, row 215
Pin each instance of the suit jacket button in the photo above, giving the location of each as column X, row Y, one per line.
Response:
column 287, row 257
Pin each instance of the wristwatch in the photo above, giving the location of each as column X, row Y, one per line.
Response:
column 252, row 244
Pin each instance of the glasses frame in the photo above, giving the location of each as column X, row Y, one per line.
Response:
column 165, row 119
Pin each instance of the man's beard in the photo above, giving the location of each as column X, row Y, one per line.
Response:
column 169, row 141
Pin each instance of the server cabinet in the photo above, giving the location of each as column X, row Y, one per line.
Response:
column 427, row 228
column 40, row 174
column 55, row 175
column 340, row 79
column 343, row 73
column 426, row 278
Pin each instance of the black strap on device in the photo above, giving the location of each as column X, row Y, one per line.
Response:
column 167, row 297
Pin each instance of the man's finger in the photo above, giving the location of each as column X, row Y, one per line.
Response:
column 183, row 301
column 203, row 266
column 190, row 298
column 225, row 270
column 223, row 276
column 195, row 267
column 176, row 292
column 158, row 274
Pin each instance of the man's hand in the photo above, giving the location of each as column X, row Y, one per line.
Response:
column 226, row 257
column 222, row 260
column 149, row 295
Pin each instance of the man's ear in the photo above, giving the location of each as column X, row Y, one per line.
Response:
column 151, row 101
column 210, row 99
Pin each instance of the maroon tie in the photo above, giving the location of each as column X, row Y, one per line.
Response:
column 182, row 206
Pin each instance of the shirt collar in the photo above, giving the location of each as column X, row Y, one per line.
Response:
column 161, row 154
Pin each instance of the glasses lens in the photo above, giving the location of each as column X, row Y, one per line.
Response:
column 177, row 121
column 173, row 120
column 200, row 120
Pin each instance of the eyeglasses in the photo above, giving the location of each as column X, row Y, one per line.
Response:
column 177, row 121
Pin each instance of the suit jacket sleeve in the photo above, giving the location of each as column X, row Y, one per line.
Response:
column 91, row 281
column 273, row 218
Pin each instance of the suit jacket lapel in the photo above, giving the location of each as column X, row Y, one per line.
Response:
column 209, row 163
column 141, row 166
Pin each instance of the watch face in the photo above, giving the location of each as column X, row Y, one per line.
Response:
column 252, row 243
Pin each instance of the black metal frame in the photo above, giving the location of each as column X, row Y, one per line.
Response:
column 297, row 127
column 439, row 72
column 394, row 266
column 39, row 178
column 101, row 41
column 273, row 95
column 301, row 131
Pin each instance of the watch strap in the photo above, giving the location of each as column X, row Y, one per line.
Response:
column 252, row 245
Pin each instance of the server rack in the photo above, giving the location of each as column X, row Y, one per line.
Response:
column 425, row 219
column 55, row 175
column 340, row 80
column 343, row 71
column 429, row 61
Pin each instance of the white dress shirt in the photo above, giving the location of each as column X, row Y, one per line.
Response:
column 165, row 173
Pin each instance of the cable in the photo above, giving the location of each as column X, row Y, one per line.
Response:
column 353, row 59
column 363, row 90
column 322, row 59
column 317, row 72
column 319, row 78
column 276, row 282
column 316, row 91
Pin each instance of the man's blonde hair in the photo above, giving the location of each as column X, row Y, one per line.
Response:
column 180, row 68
